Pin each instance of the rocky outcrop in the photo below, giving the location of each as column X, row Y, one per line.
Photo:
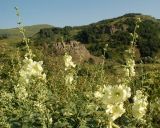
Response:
column 77, row 50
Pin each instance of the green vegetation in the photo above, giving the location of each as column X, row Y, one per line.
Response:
column 59, row 93
column 115, row 32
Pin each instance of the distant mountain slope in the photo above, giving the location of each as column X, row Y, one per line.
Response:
column 30, row 30
column 115, row 32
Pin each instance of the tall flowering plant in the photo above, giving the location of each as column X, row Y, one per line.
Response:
column 31, row 91
column 69, row 66
column 113, row 97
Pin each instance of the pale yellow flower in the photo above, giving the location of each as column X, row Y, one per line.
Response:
column 113, row 98
column 139, row 110
column 116, row 94
column 68, row 62
column 139, row 19
column 127, row 72
column 31, row 68
column 115, row 111
column 139, row 107
column 130, row 69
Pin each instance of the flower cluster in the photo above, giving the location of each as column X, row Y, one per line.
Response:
column 68, row 66
column 115, row 111
column 113, row 98
column 140, row 105
column 130, row 62
column 130, row 70
column 30, row 69
column 68, row 62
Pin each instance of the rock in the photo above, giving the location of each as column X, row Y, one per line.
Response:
column 77, row 50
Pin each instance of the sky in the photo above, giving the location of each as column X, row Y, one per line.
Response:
column 62, row 13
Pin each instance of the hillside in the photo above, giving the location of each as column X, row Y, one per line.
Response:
column 9, row 38
column 114, row 32
column 30, row 30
